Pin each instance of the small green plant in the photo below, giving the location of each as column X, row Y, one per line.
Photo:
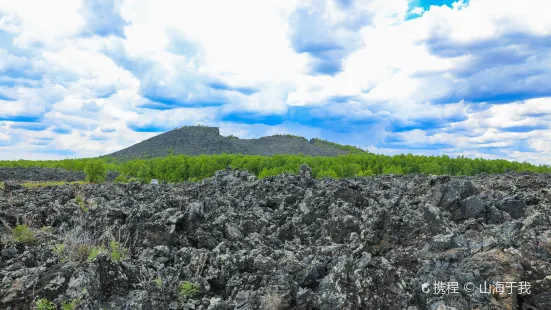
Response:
column 45, row 304
column 80, row 201
column 23, row 234
column 158, row 282
column 94, row 252
column 70, row 305
column 2, row 185
column 59, row 250
column 96, row 171
column 188, row 290
column 118, row 252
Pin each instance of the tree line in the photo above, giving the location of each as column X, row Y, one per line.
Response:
column 178, row 168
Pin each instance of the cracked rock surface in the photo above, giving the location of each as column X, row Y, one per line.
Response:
column 46, row 174
column 285, row 242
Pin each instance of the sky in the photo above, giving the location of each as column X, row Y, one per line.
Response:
column 83, row 78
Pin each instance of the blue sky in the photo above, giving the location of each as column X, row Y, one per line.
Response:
column 83, row 78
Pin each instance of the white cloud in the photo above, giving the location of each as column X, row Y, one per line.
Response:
column 234, row 40
column 43, row 22
column 395, row 72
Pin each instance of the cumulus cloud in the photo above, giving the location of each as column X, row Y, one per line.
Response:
column 85, row 78
column 103, row 18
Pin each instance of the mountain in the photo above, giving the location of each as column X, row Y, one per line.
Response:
column 198, row 140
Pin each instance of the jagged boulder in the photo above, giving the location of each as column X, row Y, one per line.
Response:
column 284, row 242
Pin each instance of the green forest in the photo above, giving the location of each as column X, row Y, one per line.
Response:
column 179, row 168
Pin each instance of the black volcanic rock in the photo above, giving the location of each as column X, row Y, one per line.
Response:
column 46, row 174
column 197, row 140
column 284, row 242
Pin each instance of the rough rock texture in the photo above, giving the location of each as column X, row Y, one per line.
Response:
column 197, row 140
column 285, row 242
column 45, row 174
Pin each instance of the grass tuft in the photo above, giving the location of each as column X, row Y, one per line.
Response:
column 45, row 304
column 48, row 183
column 59, row 250
column 158, row 282
column 118, row 252
column 23, row 234
column 80, row 201
column 188, row 290
column 94, row 252
column 70, row 305
column 78, row 246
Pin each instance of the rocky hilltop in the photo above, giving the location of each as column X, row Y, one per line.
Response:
column 198, row 140
column 285, row 242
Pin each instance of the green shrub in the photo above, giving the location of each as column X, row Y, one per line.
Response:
column 366, row 173
column 45, row 304
column 326, row 174
column 181, row 168
column 118, row 252
column 23, row 234
column 96, row 171
column 70, row 305
column 94, row 252
column 431, row 168
column 264, row 173
column 188, row 290
column 121, row 179
column 393, row 169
